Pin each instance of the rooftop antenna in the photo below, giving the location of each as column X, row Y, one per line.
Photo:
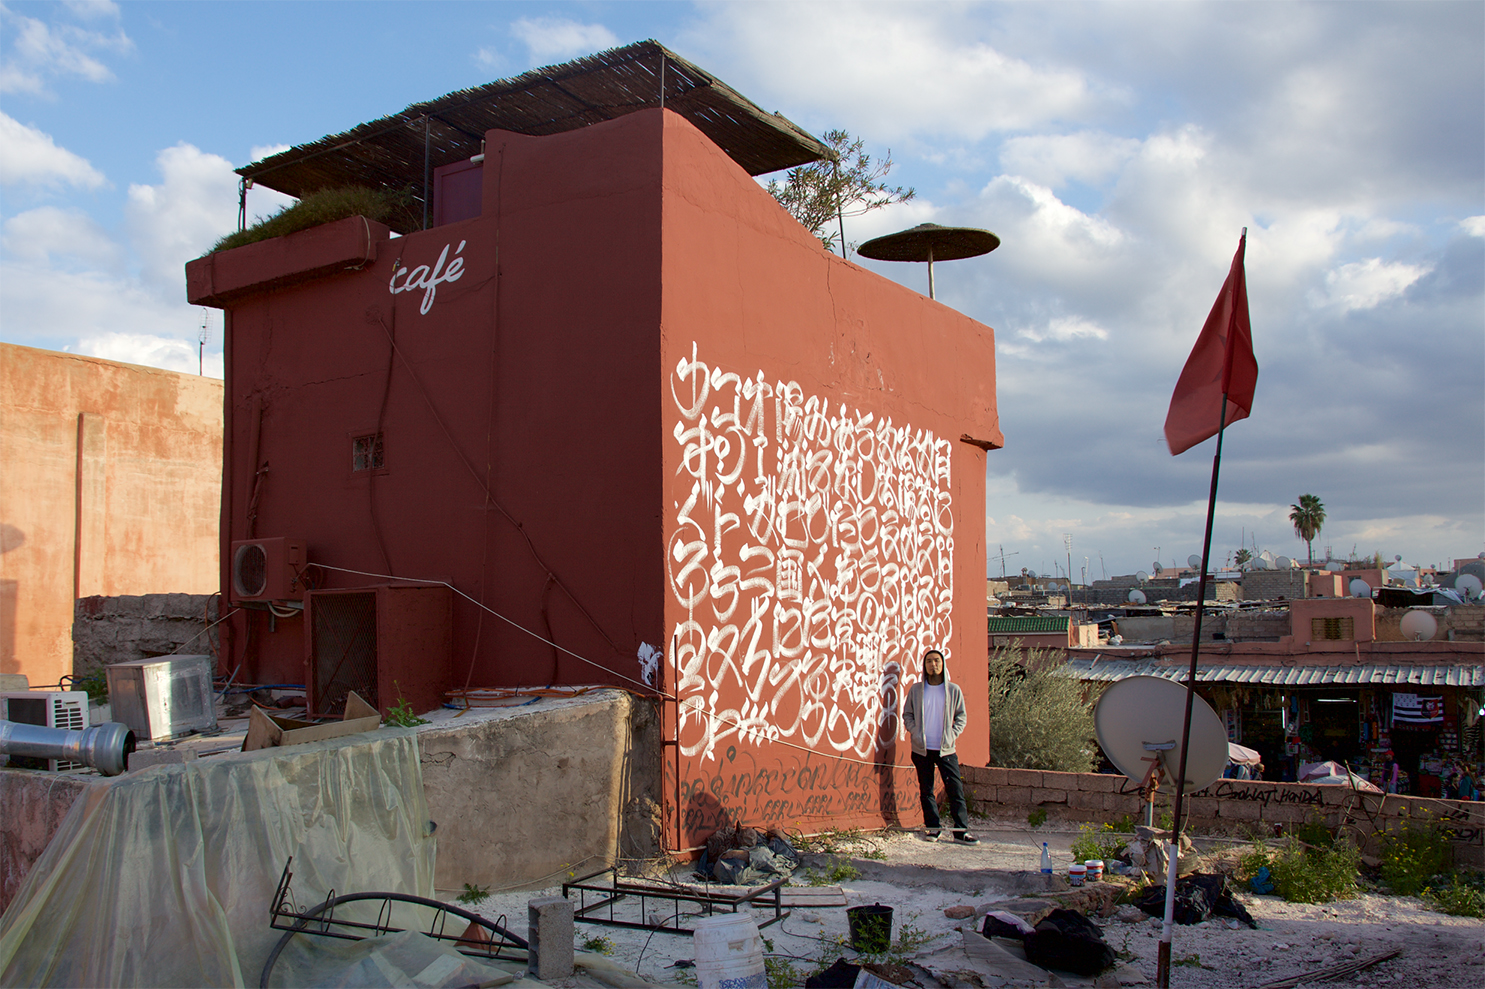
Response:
column 930, row 242
column 201, row 339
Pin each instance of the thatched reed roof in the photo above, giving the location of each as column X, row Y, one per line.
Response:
column 390, row 152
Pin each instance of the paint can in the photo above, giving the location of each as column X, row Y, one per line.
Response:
column 1095, row 870
column 871, row 928
column 729, row 953
column 1076, row 873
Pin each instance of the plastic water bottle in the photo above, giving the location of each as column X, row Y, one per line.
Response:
column 1046, row 860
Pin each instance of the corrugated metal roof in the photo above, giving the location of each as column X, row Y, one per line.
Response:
column 1013, row 624
column 1401, row 674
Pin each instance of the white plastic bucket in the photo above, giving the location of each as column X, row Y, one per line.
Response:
column 1076, row 873
column 729, row 953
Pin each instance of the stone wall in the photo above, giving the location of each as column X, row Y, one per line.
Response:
column 1225, row 807
column 1457, row 623
column 108, row 630
column 1269, row 585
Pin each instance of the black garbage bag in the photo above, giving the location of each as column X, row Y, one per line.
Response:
column 841, row 975
column 1198, row 896
column 1067, row 940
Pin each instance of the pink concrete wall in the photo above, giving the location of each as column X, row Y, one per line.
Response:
column 111, row 484
column 825, row 435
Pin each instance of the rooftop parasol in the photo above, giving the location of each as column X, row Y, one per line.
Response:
column 930, row 242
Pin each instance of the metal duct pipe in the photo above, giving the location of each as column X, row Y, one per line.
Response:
column 105, row 747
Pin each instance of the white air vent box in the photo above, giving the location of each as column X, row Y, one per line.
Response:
column 163, row 697
column 50, row 709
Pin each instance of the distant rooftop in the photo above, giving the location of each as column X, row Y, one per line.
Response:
column 402, row 150
column 1027, row 624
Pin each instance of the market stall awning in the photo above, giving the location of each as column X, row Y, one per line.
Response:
column 1277, row 675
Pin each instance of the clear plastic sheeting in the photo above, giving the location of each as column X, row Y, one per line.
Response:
column 166, row 877
column 409, row 958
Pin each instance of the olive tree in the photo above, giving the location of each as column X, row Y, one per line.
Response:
column 820, row 193
column 1039, row 719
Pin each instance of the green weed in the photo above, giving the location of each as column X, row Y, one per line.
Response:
column 474, row 894
column 401, row 714
column 836, row 872
column 1412, row 855
column 1193, row 960
column 95, row 683
column 1096, row 842
column 598, row 944
column 398, row 209
column 779, row 970
column 1316, row 875
column 1037, row 817
column 1460, row 895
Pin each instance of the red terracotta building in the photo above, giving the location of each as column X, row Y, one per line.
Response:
column 613, row 418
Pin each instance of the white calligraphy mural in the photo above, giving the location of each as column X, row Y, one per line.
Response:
column 813, row 553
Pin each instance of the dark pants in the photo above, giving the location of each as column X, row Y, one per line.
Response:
column 948, row 768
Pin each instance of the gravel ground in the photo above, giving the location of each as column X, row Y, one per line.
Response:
column 921, row 879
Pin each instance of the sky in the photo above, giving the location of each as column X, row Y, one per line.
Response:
column 1118, row 150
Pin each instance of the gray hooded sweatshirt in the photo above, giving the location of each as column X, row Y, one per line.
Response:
column 954, row 715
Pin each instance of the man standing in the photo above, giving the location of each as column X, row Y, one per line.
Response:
column 934, row 715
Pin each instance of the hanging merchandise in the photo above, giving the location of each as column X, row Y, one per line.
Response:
column 1417, row 709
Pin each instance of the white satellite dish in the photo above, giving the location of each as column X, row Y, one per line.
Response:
column 1419, row 626
column 1141, row 576
column 1193, row 561
column 1397, row 558
column 1283, row 563
column 1138, row 721
column 1469, row 584
column 1360, row 588
column 1157, row 568
column 1258, row 563
column 1335, row 566
column 1136, row 596
column 1031, row 574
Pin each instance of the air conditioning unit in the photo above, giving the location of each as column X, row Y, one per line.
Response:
column 50, row 709
column 268, row 569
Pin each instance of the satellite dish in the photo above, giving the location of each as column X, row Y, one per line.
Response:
column 1031, row 574
column 1258, row 563
column 1141, row 576
column 1157, row 568
column 1335, row 566
column 1283, row 563
column 1140, row 718
column 1469, row 584
column 1397, row 558
column 1360, row 588
column 1419, row 626
column 1193, row 561
column 1136, row 596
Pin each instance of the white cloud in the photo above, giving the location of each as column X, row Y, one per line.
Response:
column 93, row 9
column 39, row 51
column 1367, row 284
column 48, row 234
column 181, row 218
column 152, row 351
column 1053, row 159
column 548, row 38
column 488, row 58
column 890, row 72
column 1064, row 328
column 29, row 156
column 261, row 151
column 1474, row 225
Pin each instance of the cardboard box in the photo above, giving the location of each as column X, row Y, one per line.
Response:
column 266, row 732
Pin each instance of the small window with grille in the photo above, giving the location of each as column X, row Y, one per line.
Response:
column 1333, row 628
column 366, row 453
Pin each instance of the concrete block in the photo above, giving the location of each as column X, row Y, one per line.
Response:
column 996, row 776
column 1014, row 796
column 1085, row 800
column 1045, row 795
column 1023, row 777
column 550, row 931
column 1099, row 782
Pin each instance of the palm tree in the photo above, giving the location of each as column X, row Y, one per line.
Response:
column 1308, row 517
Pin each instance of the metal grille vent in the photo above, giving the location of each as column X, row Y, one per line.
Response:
column 1330, row 629
column 250, row 571
column 344, row 637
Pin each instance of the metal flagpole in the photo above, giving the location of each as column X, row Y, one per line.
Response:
column 1162, row 958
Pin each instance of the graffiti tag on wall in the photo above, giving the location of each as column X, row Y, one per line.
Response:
column 813, row 553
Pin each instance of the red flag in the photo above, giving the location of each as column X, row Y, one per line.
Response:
column 1221, row 363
